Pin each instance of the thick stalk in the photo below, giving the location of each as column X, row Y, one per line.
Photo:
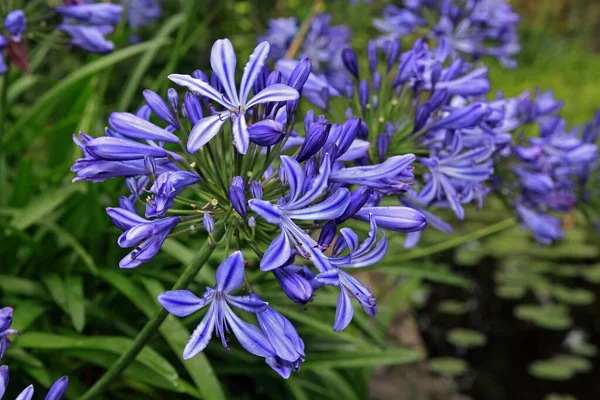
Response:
column 152, row 325
column 457, row 241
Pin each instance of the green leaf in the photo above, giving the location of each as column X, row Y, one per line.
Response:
column 554, row 317
column 336, row 382
column 57, row 290
column 185, row 255
column 72, row 242
column 142, row 66
column 75, row 301
column 26, row 314
column 48, row 101
column 359, row 359
column 109, row 344
column 136, row 371
column 466, row 338
column 551, row 370
column 21, row 286
column 43, row 205
column 448, row 366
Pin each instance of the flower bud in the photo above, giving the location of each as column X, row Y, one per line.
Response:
column 349, row 132
column 309, row 119
column 209, row 223
column 300, row 74
column 421, row 116
column 252, row 223
column 328, row 233
column 310, row 167
column 376, row 81
column 315, row 139
column 392, row 50
column 193, row 108
column 173, row 98
column 256, row 190
column 150, row 164
column 198, row 74
column 363, row 130
column 372, row 58
column 266, row 133
column 160, row 108
column 237, row 196
column 357, row 200
column 294, row 284
column 350, row 61
column 15, row 23
column 464, row 117
column 383, row 142
column 438, row 99
column 261, row 80
column 363, row 94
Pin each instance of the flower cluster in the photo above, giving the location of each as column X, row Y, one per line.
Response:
column 323, row 45
column 473, row 28
column 423, row 102
column 231, row 159
column 553, row 168
column 11, row 41
column 88, row 23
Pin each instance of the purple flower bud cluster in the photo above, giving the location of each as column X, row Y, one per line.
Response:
column 229, row 159
column 473, row 28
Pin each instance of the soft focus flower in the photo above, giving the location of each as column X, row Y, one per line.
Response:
column 56, row 392
column 5, row 331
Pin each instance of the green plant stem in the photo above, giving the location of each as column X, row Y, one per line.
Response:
column 295, row 46
column 457, row 241
column 152, row 325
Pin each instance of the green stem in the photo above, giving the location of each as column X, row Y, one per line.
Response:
column 457, row 241
column 152, row 325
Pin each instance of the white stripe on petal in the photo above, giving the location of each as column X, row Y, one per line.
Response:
column 223, row 62
column 277, row 92
column 205, row 130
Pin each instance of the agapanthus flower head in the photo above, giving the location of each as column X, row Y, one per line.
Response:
column 236, row 104
column 267, row 187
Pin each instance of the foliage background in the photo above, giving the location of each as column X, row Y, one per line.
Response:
column 77, row 310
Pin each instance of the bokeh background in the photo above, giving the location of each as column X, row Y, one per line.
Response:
column 498, row 316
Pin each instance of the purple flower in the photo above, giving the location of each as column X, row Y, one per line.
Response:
column 223, row 62
column 56, row 392
column 237, row 197
column 89, row 38
column 94, row 13
column 385, row 177
column 295, row 282
column 145, row 236
column 164, row 190
column 142, row 13
column 358, row 256
column 15, row 23
column 288, row 346
column 450, row 170
column 299, row 206
column 5, row 332
column 544, row 227
column 229, row 276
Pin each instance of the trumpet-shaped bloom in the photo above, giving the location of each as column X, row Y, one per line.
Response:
column 220, row 317
column 299, row 206
column 145, row 236
column 358, row 256
column 166, row 187
column 223, row 62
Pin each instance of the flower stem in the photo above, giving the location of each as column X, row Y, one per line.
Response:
column 457, row 241
column 152, row 325
column 295, row 46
